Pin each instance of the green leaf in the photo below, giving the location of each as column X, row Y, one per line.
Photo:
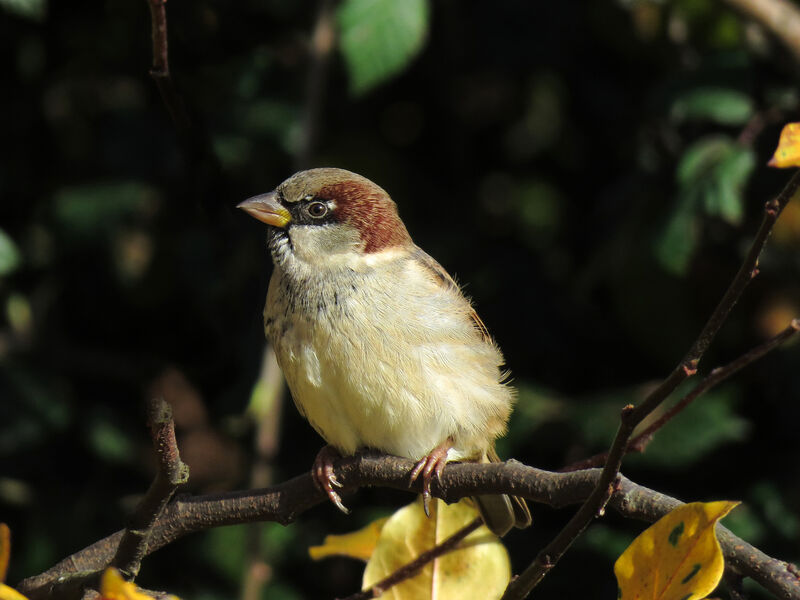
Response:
column 225, row 549
column 232, row 150
column 746, row 524
column 9, row 255
column 676, row 244
column 706, row 424
column 777, row 513
column 91, row 208
column 379, row 37
column 606, row 541
column 719, row 105
column 597, row 417
column 109, row 442
column 35, row 10
column 701, row 158
column 711, row 176
column 732, row 174
column 19, row 313
column 272, row 119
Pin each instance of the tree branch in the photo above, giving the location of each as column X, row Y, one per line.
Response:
column 283, row 503
column 132, row 544
column 717, row 376
column 631, row 416
column 172, row 472
column 160, row 69
column 779, row 17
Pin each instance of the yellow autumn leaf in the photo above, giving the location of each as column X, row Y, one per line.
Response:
column 676, row 558
column 114, row 587
column 6, row 592
column 5, row 550
column 358, row 544
column 787, row 154
column 479, row 569
column 9, row 593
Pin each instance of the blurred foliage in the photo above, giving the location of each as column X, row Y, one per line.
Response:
column 379, row 37
column 591, row 173
column 719, row 105
column 9, row 254
column 31, row 9
column 711, row 174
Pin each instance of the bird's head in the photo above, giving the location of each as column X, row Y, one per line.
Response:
column 324, row 212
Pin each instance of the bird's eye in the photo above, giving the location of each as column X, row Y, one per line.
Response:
column 317, row 210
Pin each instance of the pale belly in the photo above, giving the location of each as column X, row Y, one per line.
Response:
column 365, row 373
column 354, row 399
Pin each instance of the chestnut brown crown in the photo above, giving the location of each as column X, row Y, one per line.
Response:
column 327, row 196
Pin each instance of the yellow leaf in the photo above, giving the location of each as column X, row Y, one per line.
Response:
column 9, row 593
column 359, row 544
column 114, row 587
column 676, row 558
column 6, row 593
column 787, row 153
column 5, row 550
column 479, row 569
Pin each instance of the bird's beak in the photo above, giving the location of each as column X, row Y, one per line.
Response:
column 267, row 209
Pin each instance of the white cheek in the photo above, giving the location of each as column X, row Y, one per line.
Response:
column 320, row 243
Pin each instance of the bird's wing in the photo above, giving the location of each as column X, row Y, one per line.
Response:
column 441, row 275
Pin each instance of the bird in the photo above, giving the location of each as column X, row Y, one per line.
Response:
column 378, row 345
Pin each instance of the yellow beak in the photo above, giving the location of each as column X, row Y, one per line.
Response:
column 267, row 209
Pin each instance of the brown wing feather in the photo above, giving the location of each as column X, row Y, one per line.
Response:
column 440, row 274
column 499, row 512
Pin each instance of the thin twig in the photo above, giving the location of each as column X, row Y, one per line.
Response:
column 172, row 472
column 631, row 416
column 160, row 69
column 717, row 376
column 204, row 178
column 756, row 124
column 321, row 48
column 285, row 502
column 411, row 569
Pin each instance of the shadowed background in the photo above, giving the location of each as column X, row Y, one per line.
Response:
column 591, row 174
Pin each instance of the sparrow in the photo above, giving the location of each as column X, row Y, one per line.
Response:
column 379, row 346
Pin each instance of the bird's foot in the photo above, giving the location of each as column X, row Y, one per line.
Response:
column 324, row 478
column 430, row 466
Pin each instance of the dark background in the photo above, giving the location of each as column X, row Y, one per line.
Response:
column 545, row 153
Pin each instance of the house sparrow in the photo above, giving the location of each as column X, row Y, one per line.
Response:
column 378, row 345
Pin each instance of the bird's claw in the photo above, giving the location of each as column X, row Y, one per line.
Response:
column 324, row 477
column 431, row 466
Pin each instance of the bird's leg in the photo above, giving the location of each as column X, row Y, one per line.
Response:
column 324, row 478
column 430, row 466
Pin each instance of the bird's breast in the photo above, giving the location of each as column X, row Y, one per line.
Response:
column 392, row 363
